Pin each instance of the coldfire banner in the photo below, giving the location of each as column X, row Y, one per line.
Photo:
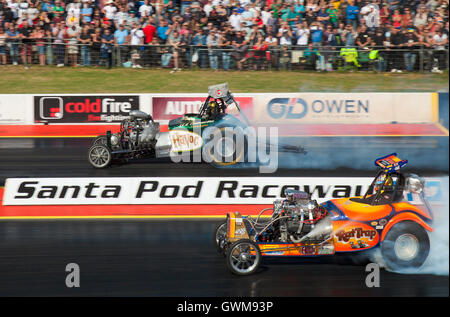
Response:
column 84, row 109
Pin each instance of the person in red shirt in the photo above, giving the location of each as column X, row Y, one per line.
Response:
column 149, row 30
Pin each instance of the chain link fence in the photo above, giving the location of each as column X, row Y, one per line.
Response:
column 72, row 53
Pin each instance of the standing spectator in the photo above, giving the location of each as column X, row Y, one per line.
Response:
column 3, row 37
column 378, row 44
column 363, row 40
column 120, row 41
column 352, row 14
column 323, row 16
column 385, row 14
column 13, row 40
column 225, row 44
column 86, row 12
column 395, row 56
column 199, row 41
column 421, row 17
column 410, row 41
column 316, row 34
column 302, row 34
column 26, row 48
column 439, row 41
column 236, row 20
column 163, row 31
column 349, row 36
column 259, row 52
column 240, row 47
column 407, row 19
column 175, row 41
column 72, row 33
column 109, row 10
column 145, row 10
column 59, row 33
column 149, row 30
column 285, row 58
column 107, row 46
column 86, row 40
column 371, row 15
column 96, row 46
column 397, row 19
column 39, row 37
column 137, row 39
column 212, row 41
column 333, row 14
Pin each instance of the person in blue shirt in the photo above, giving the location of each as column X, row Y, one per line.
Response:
column 13, row 40
column 107, row 45
column 199, row 41
column 86, row 12
column 300, row 9
column 316, row 34
column 121, row 38
column 161, row 30
column 352, row 14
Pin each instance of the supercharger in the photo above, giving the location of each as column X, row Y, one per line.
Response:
column 300, row 219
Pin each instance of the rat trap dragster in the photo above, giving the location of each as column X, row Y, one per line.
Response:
column 299, row 226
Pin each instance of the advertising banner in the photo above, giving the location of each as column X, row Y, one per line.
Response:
column 168, row 108
column 84, row 108
column 343, row 108
column 179, row 190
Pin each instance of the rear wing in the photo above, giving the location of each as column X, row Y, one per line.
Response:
column 390, row 163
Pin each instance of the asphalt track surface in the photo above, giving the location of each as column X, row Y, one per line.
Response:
column 158, row 257
column 169, row 258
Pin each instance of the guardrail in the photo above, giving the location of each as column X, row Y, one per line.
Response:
column 73, row 53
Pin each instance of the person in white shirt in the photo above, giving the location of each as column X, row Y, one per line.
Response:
column 208, row 8
column 265, row 15
column 22, row 8
column 32, row 11
column 121, row 17
column 145, row 10
column 371, row 14
column 137, row 38
column 247, row 15
column 109, row 10
column 302, row 34
column 74, row 8
column 235, row 20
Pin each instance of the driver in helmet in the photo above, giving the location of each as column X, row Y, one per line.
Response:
column 212, row 111
column 384, row 187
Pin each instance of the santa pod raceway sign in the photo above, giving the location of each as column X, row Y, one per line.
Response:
column 184, row 190
column 84, row 109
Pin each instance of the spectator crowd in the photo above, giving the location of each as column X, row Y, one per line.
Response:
column 225, row 34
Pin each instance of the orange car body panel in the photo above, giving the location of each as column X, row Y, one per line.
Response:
column 404, row 216
column 362, row 212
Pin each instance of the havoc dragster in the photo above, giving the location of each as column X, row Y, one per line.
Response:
column 299, row 226
column 140, row 136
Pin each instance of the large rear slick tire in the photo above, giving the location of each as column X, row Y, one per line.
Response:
column 406, row 246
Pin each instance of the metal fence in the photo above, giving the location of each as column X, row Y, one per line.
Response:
column 73, row 53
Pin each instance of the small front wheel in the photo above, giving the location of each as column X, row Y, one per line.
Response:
column 243, row 257
column 99, row 156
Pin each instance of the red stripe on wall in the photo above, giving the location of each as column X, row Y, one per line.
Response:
column 429, row 129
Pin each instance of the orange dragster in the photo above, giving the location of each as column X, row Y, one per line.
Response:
column 299, row 226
